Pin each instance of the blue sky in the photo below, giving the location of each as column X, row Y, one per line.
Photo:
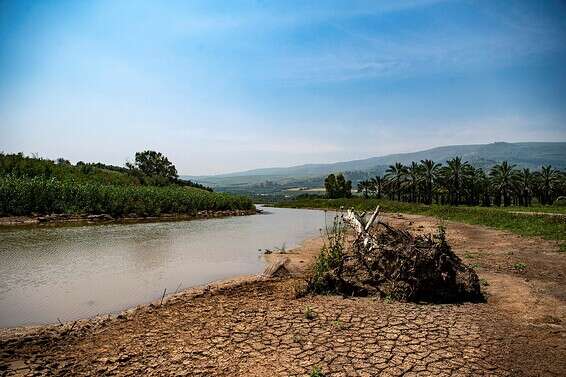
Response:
column 223, row 86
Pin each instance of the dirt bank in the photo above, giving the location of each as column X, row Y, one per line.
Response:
column 62, row 219
column 255, row 327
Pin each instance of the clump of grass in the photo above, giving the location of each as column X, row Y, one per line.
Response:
column 338, row 324
column 475, row 265
column 484, row 282
column 470, row 255
column 316, row 372
column 519, row 267
column 330, row 257
column 309, row 313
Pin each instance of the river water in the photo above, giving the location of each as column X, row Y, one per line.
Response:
column 74, row 272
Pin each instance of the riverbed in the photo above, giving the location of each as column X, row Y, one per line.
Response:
column 49, row 274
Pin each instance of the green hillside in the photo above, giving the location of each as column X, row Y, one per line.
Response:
column 30, row 185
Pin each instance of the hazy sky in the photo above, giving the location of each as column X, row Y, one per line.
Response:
column 221, row 86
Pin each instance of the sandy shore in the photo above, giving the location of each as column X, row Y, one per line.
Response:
column 252, row 326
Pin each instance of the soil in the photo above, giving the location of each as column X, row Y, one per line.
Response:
column 81, row 219
column 254, row 326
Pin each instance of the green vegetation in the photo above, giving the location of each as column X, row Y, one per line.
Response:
column 150, row 169
column 458, row 183
column 150, row 187
column 309, row 313
column 546, row 226
column 329, row 258
column 339, row 325
column 519, row 267
column 316, row 372
column 25, row 196
column 153, row 168
column 337, row 187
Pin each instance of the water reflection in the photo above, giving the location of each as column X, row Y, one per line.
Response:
column 75, row 272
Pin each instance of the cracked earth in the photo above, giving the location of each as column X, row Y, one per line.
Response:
column 254, row 327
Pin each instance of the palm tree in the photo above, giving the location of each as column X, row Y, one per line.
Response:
column 364, row 186
column 549, row 180
column 474, row 186
column 413, row 179
column 502, row 177
column 525, row 181
column 430, row 172
column 378, row 183
column 455, row 173
column 396, row 174
column 484, row 188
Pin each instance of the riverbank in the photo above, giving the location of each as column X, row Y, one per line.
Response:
column 61, row 219
column 254, row 326
column 547, row 222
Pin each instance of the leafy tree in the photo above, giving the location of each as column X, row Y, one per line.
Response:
column 154, row 167
column 337, row 186
column 344, row 186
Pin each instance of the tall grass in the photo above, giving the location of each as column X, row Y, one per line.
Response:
column 24, row 196
column 549, row 227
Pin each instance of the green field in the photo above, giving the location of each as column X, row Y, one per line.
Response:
column 546, row 226
column 39, row 195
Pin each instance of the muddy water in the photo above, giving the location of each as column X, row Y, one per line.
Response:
column 76, row 272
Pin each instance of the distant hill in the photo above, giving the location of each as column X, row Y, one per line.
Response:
column 529, row 155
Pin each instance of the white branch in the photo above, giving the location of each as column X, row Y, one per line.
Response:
column 372, row 219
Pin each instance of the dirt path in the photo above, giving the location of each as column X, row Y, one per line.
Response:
column 258, row 328
column 539, row 213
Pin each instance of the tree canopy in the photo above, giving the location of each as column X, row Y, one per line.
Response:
column 153, row 166
column 337, row 186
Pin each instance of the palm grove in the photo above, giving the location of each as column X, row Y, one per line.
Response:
column 458, row 182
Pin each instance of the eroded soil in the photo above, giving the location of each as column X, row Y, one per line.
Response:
column 253, row 327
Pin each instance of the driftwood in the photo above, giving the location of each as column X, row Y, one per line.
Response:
column 277, row 269
column 390, row 262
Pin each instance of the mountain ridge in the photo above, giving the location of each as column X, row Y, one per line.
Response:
column 523, row 154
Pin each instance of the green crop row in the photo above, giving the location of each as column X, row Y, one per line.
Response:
column 25, row 196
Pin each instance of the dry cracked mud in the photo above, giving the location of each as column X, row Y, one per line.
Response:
column 254, row 327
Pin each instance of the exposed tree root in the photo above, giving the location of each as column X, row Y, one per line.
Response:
column 389, row 262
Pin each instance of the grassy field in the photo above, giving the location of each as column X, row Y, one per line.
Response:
column 548, row 227
column 25, row 196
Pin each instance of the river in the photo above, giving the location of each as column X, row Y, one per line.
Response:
column 70, row 272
